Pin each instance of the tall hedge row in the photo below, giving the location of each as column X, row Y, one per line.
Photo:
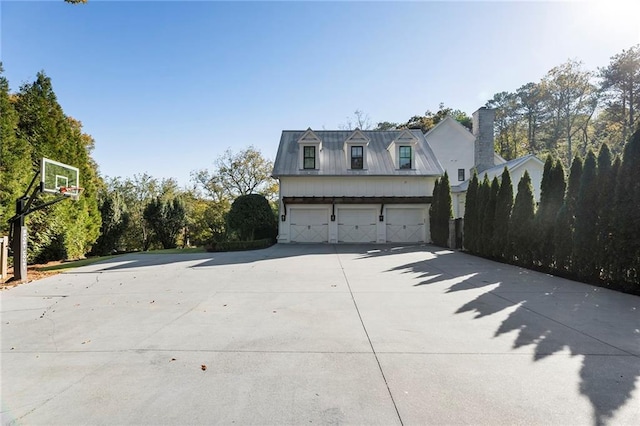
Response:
column 585, row 227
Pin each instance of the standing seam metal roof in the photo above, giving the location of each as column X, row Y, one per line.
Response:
column 333, row 160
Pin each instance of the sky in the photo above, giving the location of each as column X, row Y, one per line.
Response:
column 165, row 87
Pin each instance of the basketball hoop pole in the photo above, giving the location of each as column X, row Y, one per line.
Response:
column 19, row 229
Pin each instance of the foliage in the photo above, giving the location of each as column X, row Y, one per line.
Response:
column 626, row 220
column 440, row 212
column 585, row 230
column 33, row 126
column 489, row 219
column 504, row 203
column 249, row 215
column 471, row 216
column 115, row 220
column 521, row 224
column 236, row 174
column 552, row 191
column 166, row 218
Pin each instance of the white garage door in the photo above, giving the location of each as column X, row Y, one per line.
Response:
column 357, row 225
column 405, row 225
column 309, row 225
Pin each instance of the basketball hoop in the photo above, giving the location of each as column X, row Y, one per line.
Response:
column 72, row 192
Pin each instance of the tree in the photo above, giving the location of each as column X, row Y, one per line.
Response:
column 15, row 157
column 471, row 215
column 571, row 101
column 430, row 119
column 626, row 221
column 521, row 224
column 605, row 187
column 489, row 219
column 531, row 98
column 585, row 231
column 234, row 174
column 249, row 215
column 552, row 191
column 507, row 124
column 484, row 194
column 115, row 220
column 433, row 211
column 165, row 218
column 504, row 203
column 360, row 120
column 621, row 86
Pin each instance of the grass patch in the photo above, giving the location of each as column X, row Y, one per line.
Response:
column 177, row 251
column 74, row 263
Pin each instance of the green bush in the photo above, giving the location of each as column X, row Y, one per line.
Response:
column 251, row 216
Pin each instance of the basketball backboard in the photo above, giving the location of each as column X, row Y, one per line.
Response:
column 59, row 178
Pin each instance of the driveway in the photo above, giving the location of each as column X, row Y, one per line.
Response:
column 318, row 334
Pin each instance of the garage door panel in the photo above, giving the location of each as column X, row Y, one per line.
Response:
column 309, row 225
column 405, row 225
column 357, row 225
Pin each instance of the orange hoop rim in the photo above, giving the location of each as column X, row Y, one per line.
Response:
column 71, row 191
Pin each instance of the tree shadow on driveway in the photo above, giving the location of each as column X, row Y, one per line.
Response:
column 552, row 315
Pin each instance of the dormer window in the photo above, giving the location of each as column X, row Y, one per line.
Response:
column 309, row 157
column 309, row 149
column 357, row 157
column 405, row 157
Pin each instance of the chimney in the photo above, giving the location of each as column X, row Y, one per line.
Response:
column 482, row 125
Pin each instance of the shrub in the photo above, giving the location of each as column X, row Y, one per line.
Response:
column 251, row 215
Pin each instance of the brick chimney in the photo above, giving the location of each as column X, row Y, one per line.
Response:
column 482, row 125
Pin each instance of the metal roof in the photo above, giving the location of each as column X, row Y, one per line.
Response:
column 333, row 160
column 496, row 171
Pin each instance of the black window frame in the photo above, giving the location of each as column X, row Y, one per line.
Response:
column 401, row 157
column 461, row 175
column 357, row 165
column 306, row 156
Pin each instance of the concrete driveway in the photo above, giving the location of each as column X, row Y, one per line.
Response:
column 318, row 334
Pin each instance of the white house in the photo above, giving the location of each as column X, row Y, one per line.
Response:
column 376, row 186
column 355, row 186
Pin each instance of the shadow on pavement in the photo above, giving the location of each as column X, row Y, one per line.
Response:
column 552, row 319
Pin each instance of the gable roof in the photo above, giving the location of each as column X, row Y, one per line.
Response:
column 497, row 170
column 333, row 159
column 449, row 121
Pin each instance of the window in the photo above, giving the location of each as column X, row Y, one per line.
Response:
column 357, row 157
column 309, row 159
column 461, row 175
column 405, row 157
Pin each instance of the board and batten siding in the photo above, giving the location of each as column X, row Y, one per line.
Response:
column 357, row 186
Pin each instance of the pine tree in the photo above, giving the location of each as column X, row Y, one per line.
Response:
column 521, row 225
column 626, row 222
column 471, row 215
column 544, row 216
column 445, row 211
column 503, row 215
column 573, row 187
column 586, row 218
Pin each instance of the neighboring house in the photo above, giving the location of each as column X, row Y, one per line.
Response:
column 355, row 186
column 376, row 186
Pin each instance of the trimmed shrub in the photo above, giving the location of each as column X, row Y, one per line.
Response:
column 251, row 215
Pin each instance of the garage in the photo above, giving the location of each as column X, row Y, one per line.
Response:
column 357, row 225
column 309, row 225
column 405, row 225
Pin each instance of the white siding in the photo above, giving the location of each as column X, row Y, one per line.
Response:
column 453, row 146
column 356, row 186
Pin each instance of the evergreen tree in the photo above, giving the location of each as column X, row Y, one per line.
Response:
column 551, row 199
column 248, row 214
column 115, row 220
column 586, row 218
column 605, row 186
column 573, row 187
column 471, row 216
column 433, row 211
column 484, row 193
column 562, row 240
column 489, row 218
column 504, row 204
column 626, row 222
column 165, row 218
column 521, row 224
column 441, row 212
column 16, row 170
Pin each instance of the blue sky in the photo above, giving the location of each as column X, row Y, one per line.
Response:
column 165, row 87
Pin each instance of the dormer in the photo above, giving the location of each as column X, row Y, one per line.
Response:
column 355, row 149
column 309, row 147
column 403, row 151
